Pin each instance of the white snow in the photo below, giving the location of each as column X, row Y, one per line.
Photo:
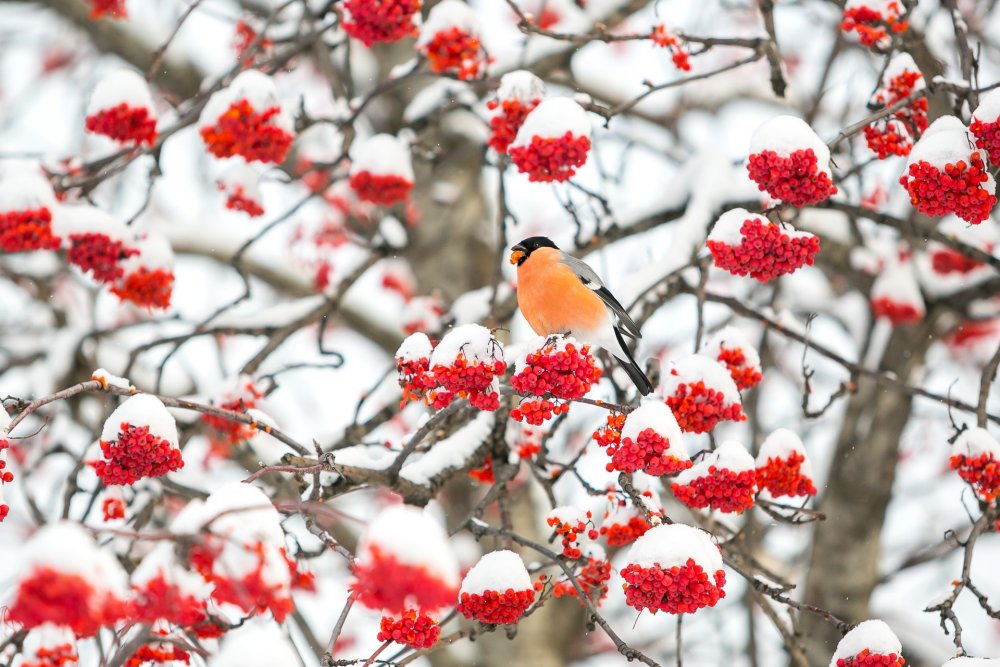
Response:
column 414, row 347
column 241, row 175
column 256, row 643
column 781, row 444
column 256, row 88
column 497, row 571
column 520, row 85
column 67, row 547
column 142, row 410
column 450, row 453
column 568, row 515
column 320, row 142
column 697, row 367
column 731, row 338
column 653, row 413
column 730, row 455
column 413, row 537
column 669, row 545
column 267, row 448
column 786, row 134
column 44, row 636
column 873, row 635
column 976, row 441
column 25, row 189
column 989, row 107
column 947, row 141
column 86, row 219
column 472, row 340
column 392, row 232
column 899, row 284
column 372, row 457
column 122, row 86
column 437, row 95
column 154, row 253
column 110, row 380
column 382, row 155
column 553, row 118
column 728, row 227
column 901, row 63
column 446, row 15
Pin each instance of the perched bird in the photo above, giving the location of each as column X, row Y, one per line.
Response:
column 559, row 294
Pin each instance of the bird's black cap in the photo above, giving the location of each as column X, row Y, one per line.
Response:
column 521, row 251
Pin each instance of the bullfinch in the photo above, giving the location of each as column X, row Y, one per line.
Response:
column 559, row 294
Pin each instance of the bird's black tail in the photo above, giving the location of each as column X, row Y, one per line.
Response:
column 635, row 373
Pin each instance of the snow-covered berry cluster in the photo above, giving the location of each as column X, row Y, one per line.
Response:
column 977, row 460
column 450, row 41
column 246, row 119
column 673, row 568
column 874, row 20
column 95, row 242
column 519, row 93
column 139, row 440
column 985, row 125
column 782, row 466
column 147, row 278
column 624, row 523
column 556, row 368
column 700, row 392
column 381, row 171
column 239, row 399
column 733, row 349
column 412, row 629
column 790, row 162
column 553, row 141
column 593, row 578
column 121, row 108
column 375, row 21
column 466, row 363
column 869, row 644
column 240, row 184
column 895, row 134
column 748, row 244
column 895, row 295
column 26, row 206
column 497, row 590
column 725, row 480
column 569, row 523
column 651, row 441
column 666, row 40
column 945, row 176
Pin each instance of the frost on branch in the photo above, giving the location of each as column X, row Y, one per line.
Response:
column 381, row 171
column 874, row 20
column 700, row 392
column 27, row 204
column 556, row 367
column 246, row 119
column 977, row 460
column 67, row 580
column 139, row 440
column 519, row 93
column 404, row 562
column 163, row 590
column 451, row 453
column 895, row 134
column 450, row 39
column 725, row 479
column 985, row 126
column 944, row 175
column 497, row 590
column 895, row 295
column 650, row 441
column 374, row 21
column 782, row 466
column 147, row 278
column 121, row 108
column 96, row 243
column 240, row 184
column 869, row 644
column 673, row 568
column 790, row 162
column 553, row 141
column 733, row 348
column 748, row 244
column 467, row 363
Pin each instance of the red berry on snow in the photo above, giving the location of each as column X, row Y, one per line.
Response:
column 26, row 206
column 414, row 630
column 701, row 393
column 895, row 134
column 381, row 171
column 745, row 243
column 519, row 93
column 790, row 162
column 733, row 349
column 650, row 441
column 895, row 295
column 139, row 440
column 449, row 38
column 985, row 126
column 497, row 590
column 782, row 466
column 121, row 108
column 869, row 644
column 553, row 141
column 246, row 119
column 724, row 480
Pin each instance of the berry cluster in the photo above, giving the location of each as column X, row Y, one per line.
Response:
column 472, row 381
column 125, row 124
column 99, row 255
column 783, row 477
column 237, row 200
column 113, row 508
column 735, row 360
column 795, row 179
column 415, row 378
column 59, row 655
column 6, row 477
column 456, row 51
column 159, row 599
column 50, row 596
column 981, row 471
column 136, row 454
column 114, row 9
column 505, row 123
column 955, row 189
column 895, row 135
column 699, row 408
column 27, row 230
column 244, row 131
column 383, row 189
column 563, row 371
column 677, row 590
column 570, row 531
column 494, row 607
column 374, row 21
column 537, row 412
column 897, row 312
column 868, row 659
column 252, row 592
column 621, row 534
column 649, row 452
column 721, row 489
column 385, row 582
column 765, row 251
column 872, row 27
column 987, row 136
column 945, row 261
column 415, row 630
column 230, row 431
column 593, row 579
column 161, row 653
column 148, row 288
column 665, row 40
column 548, row 159
column 610, row 433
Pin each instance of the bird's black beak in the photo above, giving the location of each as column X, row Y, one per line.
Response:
column 518, row 254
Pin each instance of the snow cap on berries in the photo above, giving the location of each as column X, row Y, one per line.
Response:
column 240, row 184
column 142, row 410
column 381, row 170
column 895, row 295
column 725, row 479
column 48, row 645
column 650, row 441
column 748, row 244
column 68, row 580
column 404, row 561
column 733, row 348
column 872, row 638
column 148, row 275
column 519, row 93
column 450, row 40
column 139, row 440
column 790, row 162
column 96, row 242
column 256, row 643
column 497, row 590
column 320, row 142
column 121, row 108
column 701, row 393
column 553, row 141
column 27, row 208
column 522, row 85
column 246, row 119
column 466, row 363
column 985, row 125
column 473, row 341
column 783, row 468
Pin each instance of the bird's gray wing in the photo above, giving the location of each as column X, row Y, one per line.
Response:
column 589, row 278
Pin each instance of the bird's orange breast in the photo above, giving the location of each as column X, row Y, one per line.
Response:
column 552, row 297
